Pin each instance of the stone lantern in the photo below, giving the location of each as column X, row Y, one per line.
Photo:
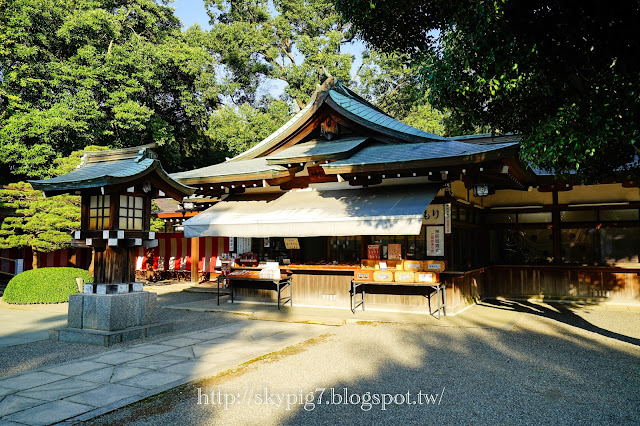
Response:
column 116, row 187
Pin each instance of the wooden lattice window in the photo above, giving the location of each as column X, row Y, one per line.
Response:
column 99, row 211
column 131, row 209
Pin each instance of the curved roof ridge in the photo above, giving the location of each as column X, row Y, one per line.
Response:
column 265, row 143
column 378, row 118
column 110, row 172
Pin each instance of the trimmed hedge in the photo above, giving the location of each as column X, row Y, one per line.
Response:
column 44, row 285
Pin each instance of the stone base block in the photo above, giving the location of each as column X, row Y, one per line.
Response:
column 112, row 312
column 114, row 288
column 108, row 338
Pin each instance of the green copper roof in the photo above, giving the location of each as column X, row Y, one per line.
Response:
column 485, row 138
column 114, row 167
column 354, row 106
column 394, row 153
column 236, row 168
column 317, row 150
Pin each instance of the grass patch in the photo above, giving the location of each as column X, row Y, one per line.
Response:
column 44, row 285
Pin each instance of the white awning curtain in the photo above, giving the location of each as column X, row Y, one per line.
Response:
column 313, row 213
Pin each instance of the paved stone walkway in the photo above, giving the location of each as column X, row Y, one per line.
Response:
column 30, row 327
column 90, row 386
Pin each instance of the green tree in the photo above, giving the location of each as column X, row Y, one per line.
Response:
column 286, row 40
column 99, row 72
column 44, row 224
column 233, row 130
column 156, row 224
column 564, row 74
column 387, row 80
column 295, row 43
column 424, row 116
column 64, row 165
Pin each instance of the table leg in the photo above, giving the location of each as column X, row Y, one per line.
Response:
column 444, row 300
column 278, row 288
column 218, row 291
column 362, row 299
column 351, row 298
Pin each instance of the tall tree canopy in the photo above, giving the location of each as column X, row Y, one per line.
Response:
column 259, row 43
column 286, row 40
column 121, row 73
column 98, row 72
column 564, row 74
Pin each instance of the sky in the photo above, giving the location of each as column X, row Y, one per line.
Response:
column 191, row 12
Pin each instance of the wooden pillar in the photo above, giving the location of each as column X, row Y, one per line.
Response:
column 92, row 263
column 557, row 236
column 195, row 258
column 364, row 242
column 114, row 265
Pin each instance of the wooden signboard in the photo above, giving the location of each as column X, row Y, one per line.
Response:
column 291, row 243
column 434, row 215
column 316, row 173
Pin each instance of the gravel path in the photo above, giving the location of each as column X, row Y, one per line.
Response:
column 20, row 358
column 551, row 365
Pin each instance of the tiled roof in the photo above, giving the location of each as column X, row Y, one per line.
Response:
column 317, row 150
column 393, row 153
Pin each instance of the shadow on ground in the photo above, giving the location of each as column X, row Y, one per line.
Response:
column 561, row 312
column 546, row 367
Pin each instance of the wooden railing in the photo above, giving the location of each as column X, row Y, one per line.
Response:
column 563, row 281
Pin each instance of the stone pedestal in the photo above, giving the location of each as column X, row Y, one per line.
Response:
column 106, row 319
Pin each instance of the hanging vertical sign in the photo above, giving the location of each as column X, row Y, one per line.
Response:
column 232, row 244
column 435, row 240
column 447, row 218
column 243, row 245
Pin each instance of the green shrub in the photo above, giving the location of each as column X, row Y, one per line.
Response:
column 44, row 285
